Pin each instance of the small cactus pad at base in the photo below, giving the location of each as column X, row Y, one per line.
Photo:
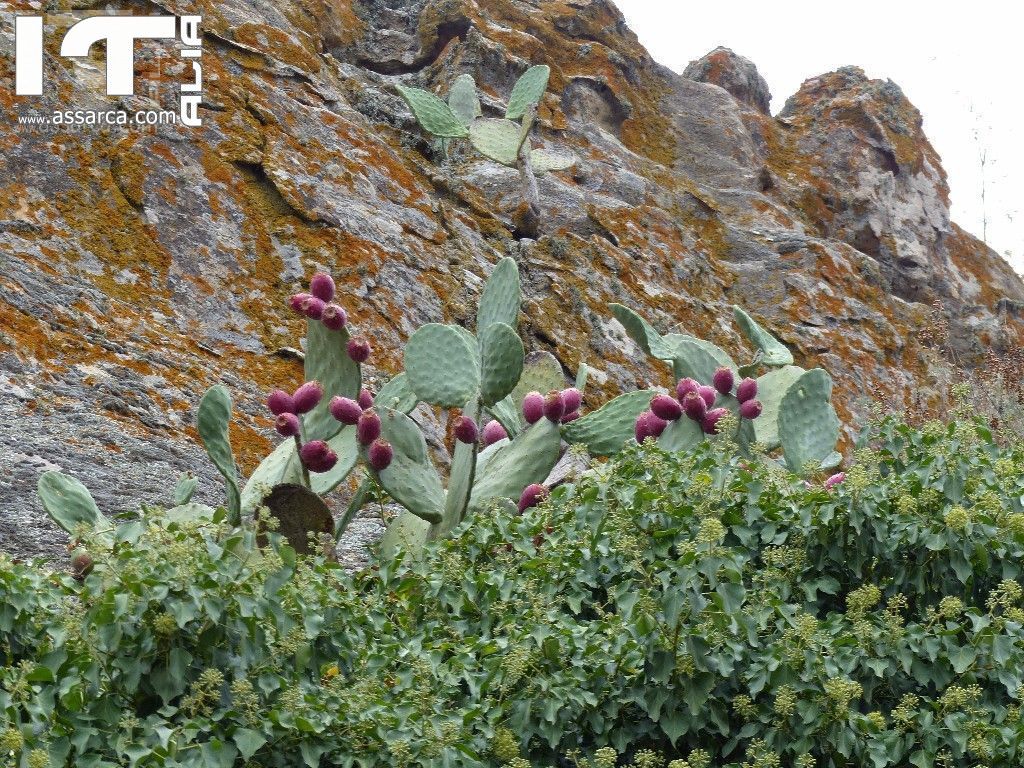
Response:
column 300, row 512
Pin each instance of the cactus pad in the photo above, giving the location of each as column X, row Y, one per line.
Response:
column 501, row 362
column 442, row 365
column 410, row 479
column 185, row 487
column 300, row 512
column 463, row 100
column 345, row 446
column 771, row 388
column 528, row 90
column 67, row 501
column 213, row 418
column 541, row 373
column 501, row 296
column 526, row 459
column 329, row 363
column 698, row 359
column 461, row 476
column 607, row 429
column 397, row 395
column 547, row 160
column 643, row 333
column 433, row 114
column 773, row 352
column 497, row 139
column 406, row 532
column 279, row 467
column 808, row 425
column 683, row 434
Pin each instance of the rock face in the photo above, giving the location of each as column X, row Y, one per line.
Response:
column 137, row 267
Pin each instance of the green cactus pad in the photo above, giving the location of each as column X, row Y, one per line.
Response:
column 501, row 362
column 463, row 99
column 607, row 429
column 496, row 139
column 213, row 418
column 528, row 90
column 808, row 425
column 643, row 333
column 67, row 501
column 698, row 359
column 185, row 487
column 489, row 453
column 345, row 446
column 541, row 373
column 443, row 368
column 280, row 466
column 327, row 361
column 397, row 395
column 408, row 533
column 683, row 434
column 501, row 297
column 548, row 160
column 771, row 388
column 433, row 114
column 190, row 512
column 529, row 458
column 411, row 479
column 582, row 373
column 461, row 476
column 300, row 513
column 773, row 353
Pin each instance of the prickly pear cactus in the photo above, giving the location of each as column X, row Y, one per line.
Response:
column 328, row 362
column 771, row 388
column 434, row 115
column 526, row 459
column 772, row 351
column 213, row 419
column 605, row 431
column 68, row 502
column 497, row 139
column 443, row 365
column 541, row 373
column 528, row 91
column 463, row 100
column 808, row 425
column 301, row 513
column 411, row 478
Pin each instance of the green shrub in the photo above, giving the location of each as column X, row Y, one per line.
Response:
column 666, row 611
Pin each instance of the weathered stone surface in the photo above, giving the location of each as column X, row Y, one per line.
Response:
column 736, row 74
column 139, row 267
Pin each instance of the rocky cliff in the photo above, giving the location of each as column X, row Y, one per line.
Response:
column 137, row 267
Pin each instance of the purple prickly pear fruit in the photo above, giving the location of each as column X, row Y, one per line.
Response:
column 368, row 427
column 532, row 496
column 280, row 402
column 466, row 430
column 493, row 432
column 365, row 398
column 750, row 409
column 334, row 317
column 308, row 396
column 533, row 407
column 317, row 456
column 641, row 429
column 296, row 301
column 287, row 425
column 380, row 455
column 723, row 380
column 655, row 424
column 695, row 406
column 684, row 387
column 709, row 394
column 710, row 423
column 572, row 398
column 554, row 406
column 747, row 390
column 570, row 417
column 835, row 480
column 312, row 308
column 322, row 286
column 358, row 349
column 345, row 410
column 666, row 407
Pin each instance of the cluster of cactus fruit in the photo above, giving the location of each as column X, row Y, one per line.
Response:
column 503, row 140
column 332, row 424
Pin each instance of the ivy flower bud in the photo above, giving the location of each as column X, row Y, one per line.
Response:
column 280, row 402
column 710, row 422
column 666, row 407
column 750, row 409
column 334, row 317
column 723, row 380
column 287, row 425
column 532, row 496
column 380, row 455
column 346, row 410
column 322, row 286
column 493, row 432
column 358, row 349
column 368, row 427
column 747, row 390
column 466, row 430
column 308, row 396
column 533, row 407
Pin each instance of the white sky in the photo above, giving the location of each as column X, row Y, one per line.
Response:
column 957, row 62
